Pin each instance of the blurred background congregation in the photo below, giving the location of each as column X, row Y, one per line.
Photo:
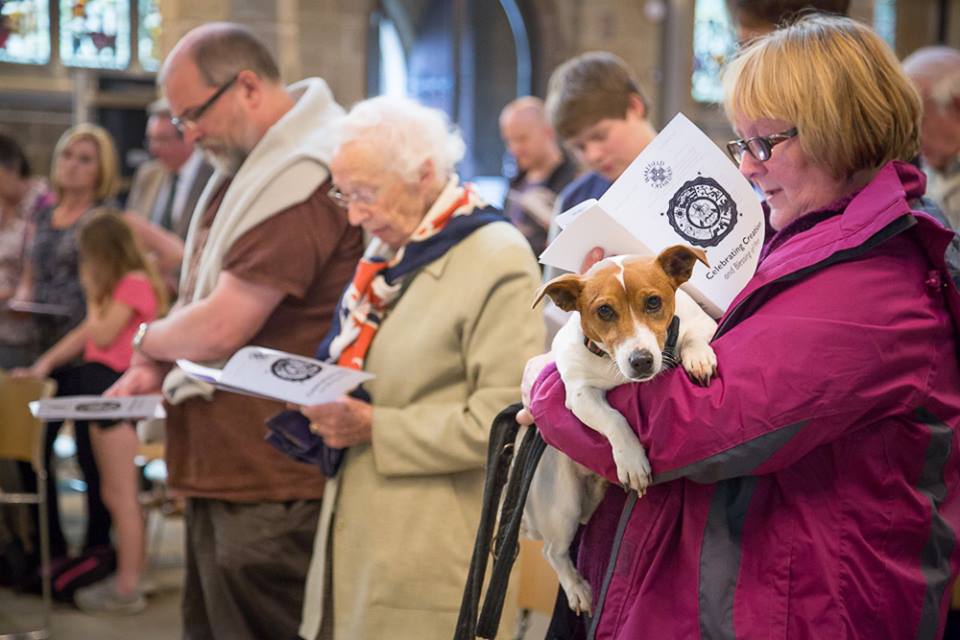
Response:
column 84, row 127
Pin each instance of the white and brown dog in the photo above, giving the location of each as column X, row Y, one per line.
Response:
column 622, row 310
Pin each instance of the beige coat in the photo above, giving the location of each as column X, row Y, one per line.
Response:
column 405, row 509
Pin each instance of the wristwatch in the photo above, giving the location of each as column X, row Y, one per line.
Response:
column 139, row 336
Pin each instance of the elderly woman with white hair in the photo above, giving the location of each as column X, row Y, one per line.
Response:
column 440, row 311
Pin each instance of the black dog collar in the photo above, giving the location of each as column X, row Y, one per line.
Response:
column 593, row 348
column 670, row 359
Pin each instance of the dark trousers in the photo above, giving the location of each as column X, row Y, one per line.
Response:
column 90, row 378
column 246, row 567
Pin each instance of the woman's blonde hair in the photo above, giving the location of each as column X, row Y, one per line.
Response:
column 108, row 174
column 108, row 251
column 838, row 83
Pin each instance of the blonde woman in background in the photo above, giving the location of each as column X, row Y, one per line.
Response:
column 85, row 175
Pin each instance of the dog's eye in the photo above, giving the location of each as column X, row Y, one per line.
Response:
column 606, row 313
column 653, row 304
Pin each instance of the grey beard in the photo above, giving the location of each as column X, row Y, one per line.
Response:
column 228, row 164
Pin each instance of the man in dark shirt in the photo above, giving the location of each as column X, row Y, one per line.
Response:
column 542, row 168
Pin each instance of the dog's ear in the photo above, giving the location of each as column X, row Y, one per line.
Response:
column 563, row 290
column 677, row 262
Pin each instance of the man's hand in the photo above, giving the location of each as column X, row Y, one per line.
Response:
column 142, row 377
column 342, row 423
column 530, row 373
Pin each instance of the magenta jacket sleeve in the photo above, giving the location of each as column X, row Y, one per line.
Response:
column 844, row 347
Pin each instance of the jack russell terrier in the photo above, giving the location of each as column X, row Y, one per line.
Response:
column 622, row 310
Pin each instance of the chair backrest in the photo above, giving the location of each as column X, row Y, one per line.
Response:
column 538, row 581
column 21, row 435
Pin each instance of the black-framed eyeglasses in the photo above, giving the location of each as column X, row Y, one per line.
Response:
column 760, row 147
column 188, row 119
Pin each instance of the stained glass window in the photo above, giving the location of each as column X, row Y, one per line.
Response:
column 713, row 44
column 95, row 33
column 393, row 61
column 25, row 31
column 885, row 20
column 148, row 34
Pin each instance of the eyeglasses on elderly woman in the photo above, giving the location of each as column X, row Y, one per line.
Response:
column 363, row 197
column 760, row 147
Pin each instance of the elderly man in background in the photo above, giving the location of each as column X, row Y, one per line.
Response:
column 935, row 71
column 266, row 258
column 166, row 189
column 543, row 169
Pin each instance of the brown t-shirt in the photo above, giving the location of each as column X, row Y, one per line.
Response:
column 216, row 449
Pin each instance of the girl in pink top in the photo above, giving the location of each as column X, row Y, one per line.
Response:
column 121, row 290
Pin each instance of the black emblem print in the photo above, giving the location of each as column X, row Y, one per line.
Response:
column 294, row 370
column 702, row 212
column 97, row 407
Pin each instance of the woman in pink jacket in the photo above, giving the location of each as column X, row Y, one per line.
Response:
column 810, row 491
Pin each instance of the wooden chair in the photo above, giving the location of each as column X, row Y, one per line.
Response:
column 22, row 439
column 538, row 583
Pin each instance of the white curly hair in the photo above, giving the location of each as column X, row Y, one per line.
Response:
column 406, row 132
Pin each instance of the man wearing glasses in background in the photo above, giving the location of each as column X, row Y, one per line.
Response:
column 166, row 188
column 264, row 263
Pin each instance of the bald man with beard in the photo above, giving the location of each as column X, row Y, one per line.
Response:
column 266, row 257
column 543, row 169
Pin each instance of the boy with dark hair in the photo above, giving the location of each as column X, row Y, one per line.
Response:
column 600, row 110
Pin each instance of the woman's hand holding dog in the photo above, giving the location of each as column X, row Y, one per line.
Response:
column 341, row 423
column 531, row 372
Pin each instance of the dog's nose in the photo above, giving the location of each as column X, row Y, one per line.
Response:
column 641, row 361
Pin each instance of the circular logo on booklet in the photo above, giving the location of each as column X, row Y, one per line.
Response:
column 657, row 174
column 96, row 407
column 702, row 212
column 294, row 370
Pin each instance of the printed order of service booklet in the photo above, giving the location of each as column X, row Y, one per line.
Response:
column 682, row 189
column 277, row 375
column 98, row 408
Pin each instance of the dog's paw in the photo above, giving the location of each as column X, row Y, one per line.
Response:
column 699, row 361
column 579, row 595
column 633, row 468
